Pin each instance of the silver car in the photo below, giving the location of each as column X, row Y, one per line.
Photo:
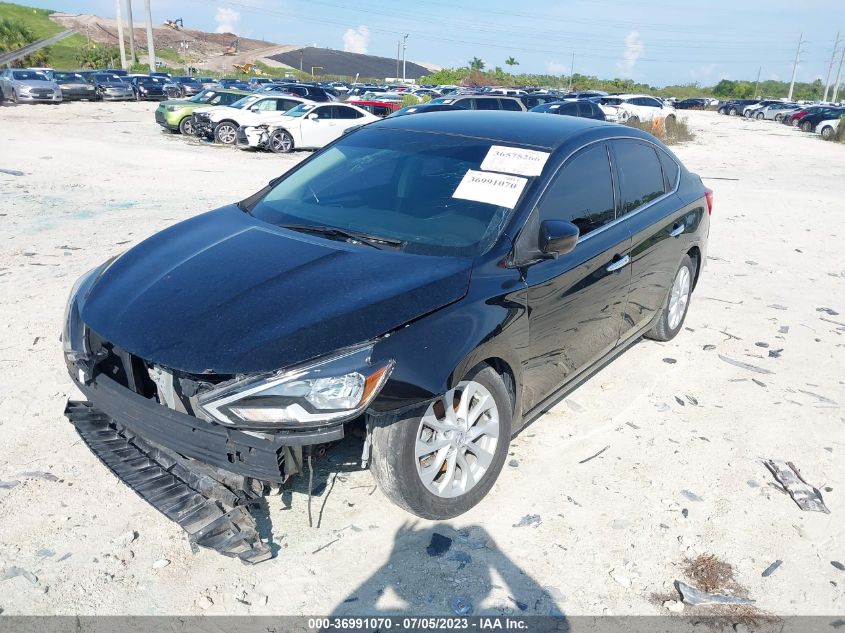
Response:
column 74, row 86
column 28, row 86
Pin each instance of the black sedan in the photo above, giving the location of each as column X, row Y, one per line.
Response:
column 148, row 88
column 586, row 108
column 692, row 104
column 443, row 279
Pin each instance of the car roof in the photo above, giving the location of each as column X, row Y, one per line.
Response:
column 517, row 128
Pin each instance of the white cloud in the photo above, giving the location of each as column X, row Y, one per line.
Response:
column 704, row 71
column 356, row 40
column 775, row 77
column 633, row 50
column 556, row 68
column 227, row 20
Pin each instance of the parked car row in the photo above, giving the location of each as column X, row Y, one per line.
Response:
column 822, row 119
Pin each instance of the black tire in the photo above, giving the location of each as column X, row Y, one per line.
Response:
column 806, row 126
column 394, row 461
column 670, row 123
column 827, row 133
column 732, row 112
column 633, row 120
column 226, row 132
column 281, row 142
column 779, row 118
column 15, row 96
column 760, row 115
column 186, row 126
column 662, row 329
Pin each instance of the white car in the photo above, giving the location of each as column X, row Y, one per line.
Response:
column 222, row 122
column 634, row 108
column 307, row 126
column 827, row 129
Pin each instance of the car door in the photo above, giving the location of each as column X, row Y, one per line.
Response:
column 656, row 219
column 345, row 117
column 318, row 127
column 569, row 109
column 576, row 301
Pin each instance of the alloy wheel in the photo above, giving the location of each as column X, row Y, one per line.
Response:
column 679, row 297
column 457, row 439
column 281, row 143
column 226, row 133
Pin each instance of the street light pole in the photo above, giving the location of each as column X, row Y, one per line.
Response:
column 404, row 46
column 830, row 68
column 795, row 65
column 119, row 19
column 151, row 51
column 132, row 57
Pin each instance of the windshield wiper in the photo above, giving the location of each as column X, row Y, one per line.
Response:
column 332, row 231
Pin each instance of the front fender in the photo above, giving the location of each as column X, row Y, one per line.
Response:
column 433, row 353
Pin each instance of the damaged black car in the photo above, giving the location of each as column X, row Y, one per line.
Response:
column 442, row 280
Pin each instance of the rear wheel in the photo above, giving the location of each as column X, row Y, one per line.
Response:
column 633, row 120
column 806, row 126
column 281, row 142
column 442, row 459
column 732, row 111
column 186, row 126
column 779, row 118
column 827, row 132
column 226, row 133
column 14, row 96
column 675, row 307
column 760, row 115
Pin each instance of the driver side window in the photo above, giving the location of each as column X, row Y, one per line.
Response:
column 582, row 192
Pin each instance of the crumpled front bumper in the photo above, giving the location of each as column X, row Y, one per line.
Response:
column 251, row 137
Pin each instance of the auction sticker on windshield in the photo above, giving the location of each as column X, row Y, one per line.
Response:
column 515, row 160
column 499, row 189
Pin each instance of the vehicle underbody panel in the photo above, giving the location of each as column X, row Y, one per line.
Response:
column 214, row 513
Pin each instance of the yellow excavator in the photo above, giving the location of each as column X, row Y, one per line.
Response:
column 176, row 24
column 232, row 49
column 248, row 69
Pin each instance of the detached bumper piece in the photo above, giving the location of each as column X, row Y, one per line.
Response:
column 211, row 512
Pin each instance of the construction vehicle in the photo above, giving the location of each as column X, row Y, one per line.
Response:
column 176, row 25
column 248, row 69
column 232, row 49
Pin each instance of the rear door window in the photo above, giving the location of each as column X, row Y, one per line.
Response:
column 486, row 104
column 510, row 104
column 670, row 169
column 582, row 193
column 639, row 172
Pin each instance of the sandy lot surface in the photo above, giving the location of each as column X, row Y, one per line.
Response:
column 685, row 431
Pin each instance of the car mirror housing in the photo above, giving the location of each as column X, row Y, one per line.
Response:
column 557, row 237
column 313, row 116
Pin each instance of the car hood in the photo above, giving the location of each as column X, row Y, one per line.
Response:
column 227, row 293
column 212, row 110
column 181, row 103
column 36, row 83
column 114, row 84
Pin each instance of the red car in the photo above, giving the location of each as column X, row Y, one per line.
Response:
column 379, row 108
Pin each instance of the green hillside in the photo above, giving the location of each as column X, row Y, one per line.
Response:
column 61, row 55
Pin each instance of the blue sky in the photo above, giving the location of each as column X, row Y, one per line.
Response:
column 656, row 41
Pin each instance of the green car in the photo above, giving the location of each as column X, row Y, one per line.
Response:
column 175, row 114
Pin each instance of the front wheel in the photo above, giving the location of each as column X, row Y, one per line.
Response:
column 760, row 115
column 186, row 126
column 281, row 142
column 779, row 118
column 827, row 133
column 674, row 309
column 226, row 133
column 732, row 111
column 806, row 126
column 441, row 460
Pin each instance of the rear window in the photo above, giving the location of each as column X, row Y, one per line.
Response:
column 670, row 169
column 510, row 104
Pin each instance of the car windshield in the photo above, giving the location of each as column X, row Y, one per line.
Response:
column 203, row 96
column 245, row 101
column 28, row 75
column 300, row 110
column 68, row 77
column 420, row 191
column 612, row 101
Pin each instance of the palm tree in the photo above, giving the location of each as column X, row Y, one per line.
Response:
column 476, row 64
column 511, row 61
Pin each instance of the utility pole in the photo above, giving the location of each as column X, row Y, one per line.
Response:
column 757, row 85
column 398, row 46
column 838, row 76
column 151, row 50
column 132, row 56
column 119, row 19
column 404, row 46
column 795, row 65
column 571, row 71
column 830, row 68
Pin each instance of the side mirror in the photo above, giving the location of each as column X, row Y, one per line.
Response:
column 313, row 116
column 254, row 109
column 557, row 237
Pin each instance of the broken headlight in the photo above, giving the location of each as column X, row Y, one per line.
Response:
column 327, row 391
column 73, row 333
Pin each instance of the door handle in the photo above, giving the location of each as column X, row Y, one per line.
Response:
column 679, row 228
column 619, row 263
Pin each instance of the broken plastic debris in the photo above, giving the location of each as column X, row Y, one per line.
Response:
column 461, row 605
column 692, row 595
column 838, row 565
column 691, row 495
column 807, row 497
column 14, row 572
column 8, row 484
column 771, row 568
column 741, row 365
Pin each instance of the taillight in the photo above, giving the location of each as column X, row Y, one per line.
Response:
column 708, row 194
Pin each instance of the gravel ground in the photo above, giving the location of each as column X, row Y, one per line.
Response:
column 685, row 430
